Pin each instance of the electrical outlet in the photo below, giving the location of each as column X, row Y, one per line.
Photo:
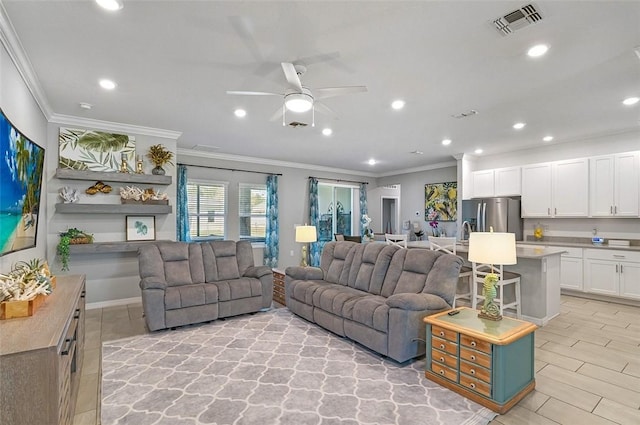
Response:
column 291, row 253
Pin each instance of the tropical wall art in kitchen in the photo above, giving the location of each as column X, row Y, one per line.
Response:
column 441, row 201
column 93, row 150
column 21, row 167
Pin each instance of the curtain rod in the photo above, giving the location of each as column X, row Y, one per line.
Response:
column 337, row 180
column 230, row 169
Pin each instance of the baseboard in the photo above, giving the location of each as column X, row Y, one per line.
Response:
column 114, row 303
column 598, row 297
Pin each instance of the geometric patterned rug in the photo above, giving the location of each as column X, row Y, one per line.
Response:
column 268, row 368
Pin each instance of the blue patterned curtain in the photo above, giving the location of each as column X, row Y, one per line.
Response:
column 314, row 217
column 182, row 209
column 272, row 237
column 363, row 209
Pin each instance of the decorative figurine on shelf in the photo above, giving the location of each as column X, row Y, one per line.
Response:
column 68, row 194
column 159, row 156
column 124, row 167
column 139, row 169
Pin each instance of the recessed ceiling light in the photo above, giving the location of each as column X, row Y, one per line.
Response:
column 537, row 50
column 110, row 4
column 630, row 101
column 478, row 151
column 240, row 113
column 327, row 131
column 446, row 142
column 372, row 162
column 107, row 84
column 519, row 125
column 397, row 104
column 547, row 138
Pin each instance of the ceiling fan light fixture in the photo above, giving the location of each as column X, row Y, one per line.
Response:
column 298, row 102
column 110, row 4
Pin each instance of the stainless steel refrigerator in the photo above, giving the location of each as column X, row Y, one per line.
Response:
column 503, row 214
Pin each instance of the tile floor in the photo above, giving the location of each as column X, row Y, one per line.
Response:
column 587, row 365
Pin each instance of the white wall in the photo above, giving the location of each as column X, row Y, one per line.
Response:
column 21, row 109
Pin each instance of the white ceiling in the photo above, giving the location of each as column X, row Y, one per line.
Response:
column 173, row 62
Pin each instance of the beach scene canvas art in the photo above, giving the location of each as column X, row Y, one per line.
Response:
column 21, row 166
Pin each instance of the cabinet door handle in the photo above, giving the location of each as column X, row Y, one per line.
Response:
column 616, row 268
column 611, row 209
column 473, row 357
column 69, row 344
column 555, row 211
column 442, row 346
column 620, row 268
column 615, row 209
column 618, row 256
column 473, row 343
column 548, row 211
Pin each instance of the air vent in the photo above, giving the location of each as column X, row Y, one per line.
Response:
column 465, row 114
column 517, row 19
column 391, row 186
column 295, row 124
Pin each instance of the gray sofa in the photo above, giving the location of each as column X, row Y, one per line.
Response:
column 375, row 294
column 185, row 283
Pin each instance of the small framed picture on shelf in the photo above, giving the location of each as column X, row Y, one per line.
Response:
column 141, row 227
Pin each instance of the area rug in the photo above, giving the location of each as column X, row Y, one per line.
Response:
column 268, row 368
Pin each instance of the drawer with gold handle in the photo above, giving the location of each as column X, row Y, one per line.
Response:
column 445, row 359
column 444, row 371
column 477, row 357
column 444, row 345
column 475, row 385
column 475, row 343
column 476, row 371
column 444, row 333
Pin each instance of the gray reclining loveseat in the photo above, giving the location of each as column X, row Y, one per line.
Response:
column 375, row 294
column 184, row 283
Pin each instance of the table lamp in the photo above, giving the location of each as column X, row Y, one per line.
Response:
column 491, row 248
column 305, row 234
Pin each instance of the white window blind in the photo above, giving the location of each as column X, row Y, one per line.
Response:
column 207, row 210
column 253, row 211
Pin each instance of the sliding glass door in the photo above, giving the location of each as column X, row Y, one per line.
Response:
column 336, row 205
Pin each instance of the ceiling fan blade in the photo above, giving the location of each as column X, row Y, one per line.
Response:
column 245, row 29
column 326, row 92
column 253, row 93
column 324, row 109
column 277, row 115
column 322, row 57
column 291, row 75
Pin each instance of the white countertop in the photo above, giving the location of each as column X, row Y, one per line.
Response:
column 580, row 245
column 521, row 252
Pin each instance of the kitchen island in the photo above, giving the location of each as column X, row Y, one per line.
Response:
column 539, row 283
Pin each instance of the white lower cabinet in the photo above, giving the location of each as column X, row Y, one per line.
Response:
column 571, row 276
column 612, row 272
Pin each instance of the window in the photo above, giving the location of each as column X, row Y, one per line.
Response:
column 253, row 212
column 207, row 210
column 336, row 205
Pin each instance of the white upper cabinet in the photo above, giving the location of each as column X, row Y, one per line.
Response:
column 536, row 190
column 571, row 188
column 558, row 189
column 507, row 181
column 497, row 182
column 615, row 185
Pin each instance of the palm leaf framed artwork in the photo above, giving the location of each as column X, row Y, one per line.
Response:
column 94, row 150
column 141, row 227
column 441, row 201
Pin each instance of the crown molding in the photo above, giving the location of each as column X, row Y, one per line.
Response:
column 272, row 162
column 113, row 126
column 12, row 44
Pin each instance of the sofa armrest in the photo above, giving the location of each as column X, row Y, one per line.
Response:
column 304, row 273
column 257, row 271
column 417, row 302
column 152, row 283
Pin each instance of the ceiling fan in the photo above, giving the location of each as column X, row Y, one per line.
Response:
column 299, row 98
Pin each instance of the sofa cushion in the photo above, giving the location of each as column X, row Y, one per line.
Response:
column 408, row 271
column 333, row 297
column 369, row 310
column 236, row 289
column 302, row 290
column 336, row 261
column 190, row 295
column 369, row 266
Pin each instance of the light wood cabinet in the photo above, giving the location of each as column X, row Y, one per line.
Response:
column 489, row 362
column 41, row 358
column 615, row 185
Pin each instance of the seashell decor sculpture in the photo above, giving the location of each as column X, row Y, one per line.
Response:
column 98, row 187
column 133, row 193
column 68, row 195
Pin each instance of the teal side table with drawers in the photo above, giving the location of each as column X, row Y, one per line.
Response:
column 489, row 362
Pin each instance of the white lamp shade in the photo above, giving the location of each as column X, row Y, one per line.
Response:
column 306, row 234
column 492, row 248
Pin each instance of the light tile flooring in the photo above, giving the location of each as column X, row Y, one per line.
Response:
column 587, row 365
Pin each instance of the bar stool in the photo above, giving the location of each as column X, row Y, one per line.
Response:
column 448, row 245
column 397, row 240
column 504, row 279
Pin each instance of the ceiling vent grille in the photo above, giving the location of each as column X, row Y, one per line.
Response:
column 390, row 186
column 517, row 19
column 295, row 124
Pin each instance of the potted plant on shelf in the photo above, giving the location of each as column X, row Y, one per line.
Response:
column 159, row 156
column 72, row 236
